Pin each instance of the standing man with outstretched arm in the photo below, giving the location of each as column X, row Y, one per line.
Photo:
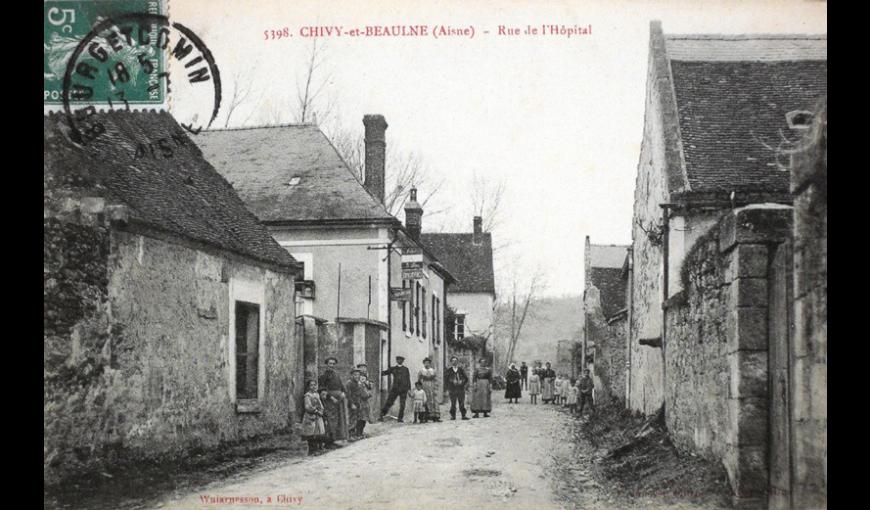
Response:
column 457, row 383
column 400, row 388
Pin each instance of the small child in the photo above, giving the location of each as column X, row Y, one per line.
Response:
column 419, row 402
column 557, row 394
column 534, row 386
column 313, row 427
column 573, row 392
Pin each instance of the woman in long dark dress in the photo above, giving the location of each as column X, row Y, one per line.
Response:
column 514, row 390
column 481, row 400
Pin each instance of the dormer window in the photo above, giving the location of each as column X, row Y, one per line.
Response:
column 799, row 119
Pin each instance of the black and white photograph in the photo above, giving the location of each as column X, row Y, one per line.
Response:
column 474, row 254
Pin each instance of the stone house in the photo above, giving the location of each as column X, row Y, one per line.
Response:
column 468, row 256
column 605, row 318
column 168, row 309
column 712, row 210
column 352, row 249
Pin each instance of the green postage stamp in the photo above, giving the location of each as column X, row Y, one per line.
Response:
column 135, row 76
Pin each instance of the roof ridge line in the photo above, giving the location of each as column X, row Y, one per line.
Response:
column 747, row 37
column 267, row 126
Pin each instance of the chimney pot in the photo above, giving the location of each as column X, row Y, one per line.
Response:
column 414, row 216
column 375, row 157
column 478, row 230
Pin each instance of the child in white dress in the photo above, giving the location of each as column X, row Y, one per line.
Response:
column 419, row 402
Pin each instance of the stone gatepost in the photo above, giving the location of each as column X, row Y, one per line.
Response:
column 747, row 238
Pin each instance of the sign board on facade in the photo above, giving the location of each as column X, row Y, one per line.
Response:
column 413, row 271
column 400, row 294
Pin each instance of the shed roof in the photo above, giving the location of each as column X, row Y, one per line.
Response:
column 181, row 195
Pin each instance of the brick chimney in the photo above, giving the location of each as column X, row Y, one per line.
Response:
column 477, row 238
column 376, row 145
column 414, row 216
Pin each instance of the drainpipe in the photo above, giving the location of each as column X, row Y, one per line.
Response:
column 666, row 276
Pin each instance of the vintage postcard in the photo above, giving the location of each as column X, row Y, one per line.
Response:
column 439, row 254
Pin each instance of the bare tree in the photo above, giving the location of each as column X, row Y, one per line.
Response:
column 486, row 200
column 403, row 170
column 520, row 306
column 242, row 87
column 309, row 88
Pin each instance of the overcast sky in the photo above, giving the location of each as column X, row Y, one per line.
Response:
column 559, row 119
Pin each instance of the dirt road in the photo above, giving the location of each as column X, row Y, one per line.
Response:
column 508, row 460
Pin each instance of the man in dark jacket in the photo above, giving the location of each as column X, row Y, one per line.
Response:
column 457, row 383
column 400, row 388
column 524, row 375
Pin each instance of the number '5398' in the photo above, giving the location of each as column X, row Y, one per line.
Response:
column 281, row 33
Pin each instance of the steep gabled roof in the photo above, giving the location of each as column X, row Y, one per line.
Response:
column 604, row 271
column 291, row 174
column 469, row 262
column 725, row 101
column 180, row 195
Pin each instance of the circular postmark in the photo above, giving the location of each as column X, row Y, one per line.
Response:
column 120, row 63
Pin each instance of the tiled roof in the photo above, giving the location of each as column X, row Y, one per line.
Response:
column 733, row 114
column 470, row 263
column 290, row 174
column 611, row 286
column 772, row 47
column 181, row 195
column 607, row 255
column 732, row 95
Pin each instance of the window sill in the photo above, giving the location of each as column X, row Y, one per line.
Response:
column 248, row 406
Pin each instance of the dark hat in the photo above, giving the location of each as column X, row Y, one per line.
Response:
column 333, row 358
column 362, row 365
column 400, row 357
column 427, row 358
column 355, row 371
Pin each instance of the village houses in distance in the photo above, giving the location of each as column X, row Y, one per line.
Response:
column 189, row 301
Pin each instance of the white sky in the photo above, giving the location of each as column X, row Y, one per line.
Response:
column 559, row 119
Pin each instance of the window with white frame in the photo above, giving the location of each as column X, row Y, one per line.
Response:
column 459, row 326
column 247, row 341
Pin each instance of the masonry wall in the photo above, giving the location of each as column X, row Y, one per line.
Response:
column 810, row 344
column 645, row 393
column 717, row 398
column 698, row 374
column 609, row 371
column 136, row 362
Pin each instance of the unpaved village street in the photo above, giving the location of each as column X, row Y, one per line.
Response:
column 509, row 460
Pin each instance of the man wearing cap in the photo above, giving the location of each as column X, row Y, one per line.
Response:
column 335, row 406
column 400, row 388
column 356, row 421
column 457, row 382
